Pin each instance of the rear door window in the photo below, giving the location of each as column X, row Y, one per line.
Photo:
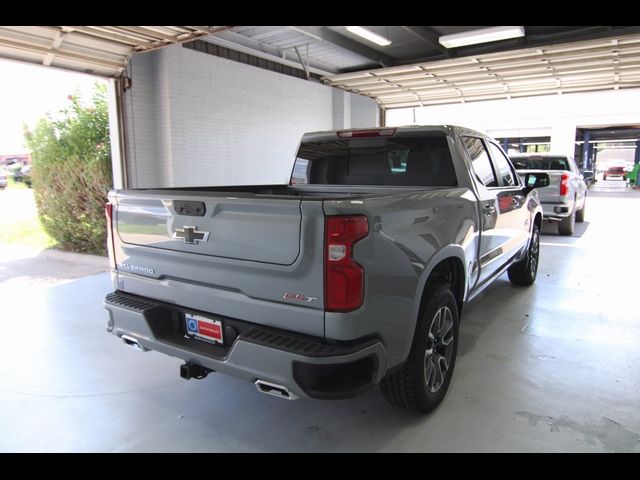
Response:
column 506, row 174
column 480, row 161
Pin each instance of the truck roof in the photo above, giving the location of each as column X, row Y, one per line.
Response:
column 328, row 134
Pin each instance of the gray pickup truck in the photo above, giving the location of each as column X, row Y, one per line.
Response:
column 354, row 274
column 564, row 200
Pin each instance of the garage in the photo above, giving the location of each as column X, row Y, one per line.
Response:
column 205, row 125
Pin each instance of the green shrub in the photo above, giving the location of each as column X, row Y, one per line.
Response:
column 72, row 173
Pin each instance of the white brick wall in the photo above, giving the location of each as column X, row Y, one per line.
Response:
column 140, row 123
column 341, row 109
column 364, row 112
column 194, row 119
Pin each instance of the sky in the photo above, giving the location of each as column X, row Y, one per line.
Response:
column 28, row 92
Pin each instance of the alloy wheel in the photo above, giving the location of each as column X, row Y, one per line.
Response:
column 439, row 349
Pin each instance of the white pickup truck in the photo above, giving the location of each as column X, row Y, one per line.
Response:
column 564, row 200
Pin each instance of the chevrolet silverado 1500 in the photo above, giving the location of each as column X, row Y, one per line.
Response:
column 564, row 200
column 356, row 273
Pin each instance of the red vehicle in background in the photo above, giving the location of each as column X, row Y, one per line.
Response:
column 615, row 172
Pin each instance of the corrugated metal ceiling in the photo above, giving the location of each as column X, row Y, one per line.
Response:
column 280, row 41
column 420, row 70
column 605, row 64
column 100, row 50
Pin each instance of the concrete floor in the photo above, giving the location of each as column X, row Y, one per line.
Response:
column 554, row 367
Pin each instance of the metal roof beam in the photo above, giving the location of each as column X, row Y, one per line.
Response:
column 262, row 54
column 329, row 36
column 431, row 38
column 239, row 42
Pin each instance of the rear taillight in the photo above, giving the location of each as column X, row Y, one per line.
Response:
column 108, row 211
column 343, row 277
column 564, row 185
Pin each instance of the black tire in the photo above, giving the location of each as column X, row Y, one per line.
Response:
column 524, row 272
column 567, row 225
column 420, row 384
column 580, row 213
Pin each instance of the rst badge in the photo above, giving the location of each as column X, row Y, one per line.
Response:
column 299, row 297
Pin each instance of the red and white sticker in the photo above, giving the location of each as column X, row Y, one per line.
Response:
column 204, row 328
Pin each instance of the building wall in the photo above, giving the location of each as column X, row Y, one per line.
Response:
column 364, row 112
column 193, row 119
column 554, row 115
column 341, row 109
column 140, row 114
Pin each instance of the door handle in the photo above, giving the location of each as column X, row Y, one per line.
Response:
column 488, row 209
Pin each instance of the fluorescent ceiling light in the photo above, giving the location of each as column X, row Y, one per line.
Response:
column 372, row 37
column 483, row 35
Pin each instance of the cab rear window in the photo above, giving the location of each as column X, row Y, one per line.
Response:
column 402, row 160
column 541, row 163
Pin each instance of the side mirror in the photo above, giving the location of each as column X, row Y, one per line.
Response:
column 536, row 180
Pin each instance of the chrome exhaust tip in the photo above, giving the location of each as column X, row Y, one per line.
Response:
column 133, row 343
column 275, row 390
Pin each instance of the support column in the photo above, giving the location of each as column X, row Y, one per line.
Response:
column 563, row 138
column 636, row 158
column 365, row 112
column 341, row 109
column 586, row 151
column 118, row 158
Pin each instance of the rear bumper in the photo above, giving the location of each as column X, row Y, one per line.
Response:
column 557, row 211
column 305, row 365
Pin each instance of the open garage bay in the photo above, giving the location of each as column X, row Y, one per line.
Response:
column 554, row 367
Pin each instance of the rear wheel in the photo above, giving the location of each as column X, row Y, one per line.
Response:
column 566, row 225
column 525, row 271
column 422, row 382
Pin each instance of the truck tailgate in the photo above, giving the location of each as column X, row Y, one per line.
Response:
column 238, row 228
column 550, row 193
column 259, row 248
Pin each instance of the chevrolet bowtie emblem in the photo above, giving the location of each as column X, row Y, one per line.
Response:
column 190, row 235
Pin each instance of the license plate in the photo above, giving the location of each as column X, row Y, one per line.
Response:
column 204, row 328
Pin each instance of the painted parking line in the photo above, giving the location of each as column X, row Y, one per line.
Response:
column 570, row 245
